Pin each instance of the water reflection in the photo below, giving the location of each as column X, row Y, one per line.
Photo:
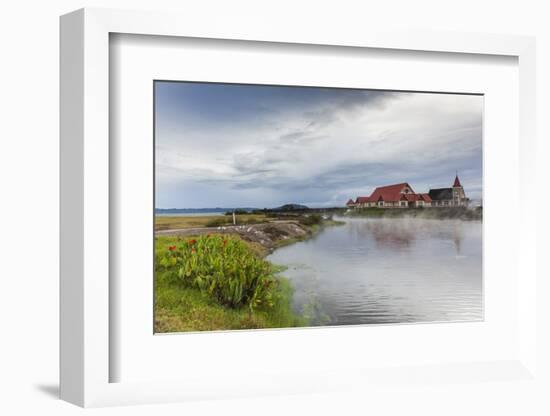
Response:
column 387, row 270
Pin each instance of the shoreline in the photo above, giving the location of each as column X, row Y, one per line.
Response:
column 180, row 308
column 266, row 236
column 436, row 213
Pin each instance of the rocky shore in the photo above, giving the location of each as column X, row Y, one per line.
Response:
column 268, row 235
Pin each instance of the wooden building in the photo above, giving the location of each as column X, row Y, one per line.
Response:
column 402, row 195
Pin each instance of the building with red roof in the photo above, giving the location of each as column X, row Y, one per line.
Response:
column 402, row 195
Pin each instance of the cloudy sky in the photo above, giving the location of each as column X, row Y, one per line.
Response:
column 223, row 145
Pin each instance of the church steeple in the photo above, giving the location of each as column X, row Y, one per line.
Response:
column 457, row 182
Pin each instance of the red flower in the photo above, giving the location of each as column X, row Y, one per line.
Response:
column 193, row 241
column 193, row 251
column 172, row 248
column 224, row 242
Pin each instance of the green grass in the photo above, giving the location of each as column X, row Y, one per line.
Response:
column 180, row 307
column 462, row 213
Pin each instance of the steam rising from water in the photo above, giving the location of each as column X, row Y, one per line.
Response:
column 388, row 270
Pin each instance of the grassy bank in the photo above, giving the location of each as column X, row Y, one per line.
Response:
column 461, row 213
column 183, row 222
column 218, row 283
column 262, row 233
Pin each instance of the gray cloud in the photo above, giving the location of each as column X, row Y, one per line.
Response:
column 320, row 148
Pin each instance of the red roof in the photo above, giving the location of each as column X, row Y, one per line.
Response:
column 416, row 197
column 390, row 193
column 410, row 197
column 350, row 202
column 457, row 182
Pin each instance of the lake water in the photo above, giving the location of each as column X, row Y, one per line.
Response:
column 380, row 270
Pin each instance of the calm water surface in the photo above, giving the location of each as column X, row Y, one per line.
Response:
column 386, row 271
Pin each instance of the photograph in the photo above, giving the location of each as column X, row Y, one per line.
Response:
column 281, row 206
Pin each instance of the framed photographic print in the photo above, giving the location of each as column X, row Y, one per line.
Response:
column 261, row 213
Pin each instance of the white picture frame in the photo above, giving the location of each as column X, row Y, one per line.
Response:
column 86, row 356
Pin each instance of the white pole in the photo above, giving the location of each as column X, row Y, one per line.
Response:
column 234, row 219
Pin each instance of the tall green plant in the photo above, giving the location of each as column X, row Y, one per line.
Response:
column 223, row 268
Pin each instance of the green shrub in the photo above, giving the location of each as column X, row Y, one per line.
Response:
column 217, row 222
column 223, row 268
column 312, row 219
column 237, row 212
